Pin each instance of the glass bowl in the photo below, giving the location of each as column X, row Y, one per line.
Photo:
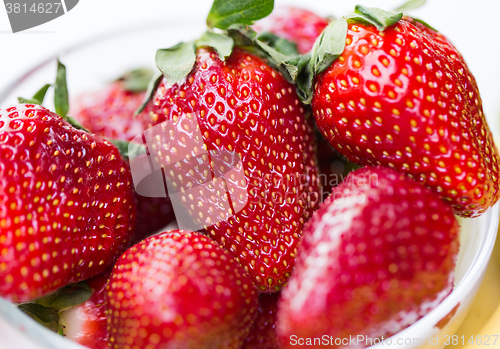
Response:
column 94, row 63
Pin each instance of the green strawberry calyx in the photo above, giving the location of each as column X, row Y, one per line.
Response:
column 136, row 80
column 371, row 15
column 38, row 97
column 224, row 13
column 61, row 97
column 228, row 27
column 176, row 62
column 46, row 310
column 331, row 42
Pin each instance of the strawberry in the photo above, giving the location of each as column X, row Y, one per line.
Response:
column 66, row 204
column 234, row 141
column 109, row 113
column 86, row 323
column 179, row 289
column 402, row 96
column 263, row 332
column 245, row 108
column 378, row 254
column 298, row 25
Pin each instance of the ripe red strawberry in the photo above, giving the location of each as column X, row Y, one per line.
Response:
column 378, row 255
column 179, row 290
column 404, row 98
column 110, row 113
column 263, row 332
column 86, row 323
column 295, row 24
column 243, row 106
column 66, row 204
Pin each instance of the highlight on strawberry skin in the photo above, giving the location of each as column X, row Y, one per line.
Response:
column 401, row 95
column 378, row 255
column 109, row 112
column 179, row 289
column 66, row 205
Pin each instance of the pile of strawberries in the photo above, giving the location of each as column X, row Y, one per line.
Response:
column 260, row 120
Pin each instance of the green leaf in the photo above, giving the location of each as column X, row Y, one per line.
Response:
column 38, row 97
column 375, row 16
column 423, row 22
column 410, row 5
column 40, row 94
column 226, row 12
column 326, row 49
column 328, row 46
column 280, row 54
column 153, row 83
column 46, row 310
column 129, row 150
column 40, row 313
column 289, row 65
column 242, row 35
column 305, row 81
column 28, row 101
column 300, row 65
column 222, row 43
column 61, row 99
column 66, row 297
column 177, row 61
column 286, row 47
column 137, row 80
column 279, row 44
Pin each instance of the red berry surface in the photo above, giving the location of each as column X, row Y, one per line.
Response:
column 404, row 98
column 66, row 205
column 110, row 113
column 179, row 290
column 378, row 254
column 243, row 106
column 295, row 24
column 263, row 332
column 86, row 323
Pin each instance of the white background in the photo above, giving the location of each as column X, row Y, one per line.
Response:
column 470, row 25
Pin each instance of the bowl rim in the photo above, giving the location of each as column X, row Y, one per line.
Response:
column 123, row 31
column 467, row 286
